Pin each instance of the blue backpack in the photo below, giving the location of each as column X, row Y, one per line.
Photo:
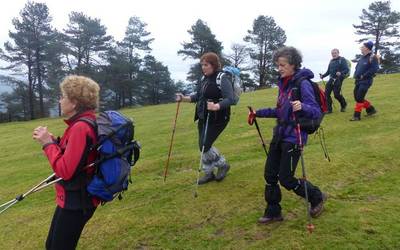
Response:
column 234, row 76
column 117, row 153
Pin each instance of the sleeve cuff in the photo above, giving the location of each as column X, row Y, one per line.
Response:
column 47, row 144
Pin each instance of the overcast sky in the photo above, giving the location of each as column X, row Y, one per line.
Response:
column 314, row 27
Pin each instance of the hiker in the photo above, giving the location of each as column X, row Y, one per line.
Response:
column 68, row 157
column 337, row 70
column 284, row 151
column 366, row 69
column 212, row 101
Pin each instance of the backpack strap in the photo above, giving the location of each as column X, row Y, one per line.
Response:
column 316, row 91
column 372, row 57
column 218, row 79
column 93, row 125
column 90, row 122
column 297, row 88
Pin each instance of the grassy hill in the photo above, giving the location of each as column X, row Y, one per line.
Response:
column 362, row 181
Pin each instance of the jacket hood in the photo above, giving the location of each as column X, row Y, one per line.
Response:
column 303, row 73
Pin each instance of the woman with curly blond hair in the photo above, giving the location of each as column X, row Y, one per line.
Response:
column 68, row 158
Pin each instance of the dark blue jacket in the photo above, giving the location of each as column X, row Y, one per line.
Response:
column 337, row 65
column 366, row 69
column 285, row 130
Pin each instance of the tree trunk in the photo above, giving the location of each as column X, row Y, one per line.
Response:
column 40, row 86
column 377, row 45
column 30, row 90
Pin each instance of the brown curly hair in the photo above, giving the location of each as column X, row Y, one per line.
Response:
column 81, row 89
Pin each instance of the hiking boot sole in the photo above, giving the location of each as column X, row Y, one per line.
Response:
column 324, row 198
column 267, row 221
column 371, row 114
column 222, row 175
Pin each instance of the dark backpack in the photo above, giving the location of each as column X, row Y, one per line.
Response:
column 349, row 66
column 311, row 125
column 117, row 153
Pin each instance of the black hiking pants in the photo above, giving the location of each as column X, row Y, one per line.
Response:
column 66, row 228
column 336, row 86
column 212, row 133
column 281, row 166
column 360, row 91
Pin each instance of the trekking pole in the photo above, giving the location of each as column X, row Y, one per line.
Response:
column 201, row 156
column 310, row 226
column 45, row 183
column 259, row 132
column 172, row 139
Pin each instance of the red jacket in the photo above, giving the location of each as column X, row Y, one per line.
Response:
column 65, row 156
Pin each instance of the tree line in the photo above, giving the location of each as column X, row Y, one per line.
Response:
column 38, row 57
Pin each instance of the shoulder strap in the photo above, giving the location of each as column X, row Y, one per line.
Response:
column 372, row 57
column 297, row 87
column 93, row 125
column 90, row 122
column 218, row 79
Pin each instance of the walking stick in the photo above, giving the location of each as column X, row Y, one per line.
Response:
column 201, row 156
column 45, row 183
column 310, row 226
column 172, row 139
column 52, row 178
column 259, row 132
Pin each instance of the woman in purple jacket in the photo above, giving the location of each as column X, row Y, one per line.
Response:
column 284, row 151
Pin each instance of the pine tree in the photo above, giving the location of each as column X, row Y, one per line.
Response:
column 85, row 38
column 203, row 40
column 135, row 42
column 27, row 51
column 265, row 37
column 381, row 24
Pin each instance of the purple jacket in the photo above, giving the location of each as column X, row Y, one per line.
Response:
column 285, row 129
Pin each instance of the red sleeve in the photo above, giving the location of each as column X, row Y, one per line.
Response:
column 65, row 164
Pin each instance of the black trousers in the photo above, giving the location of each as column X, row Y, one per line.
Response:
column 336, row 86
column 360, row 91
column 212, row 133
column 66, row 228
column 280, row 167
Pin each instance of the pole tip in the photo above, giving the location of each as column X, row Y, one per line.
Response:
column 310, row 227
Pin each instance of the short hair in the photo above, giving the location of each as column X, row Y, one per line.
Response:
column 81, row 89
column 291, row 54
column 213, row 59
column 335, row 49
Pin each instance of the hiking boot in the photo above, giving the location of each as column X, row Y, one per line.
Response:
column 356, row 116
column 269, row 220
column 343, row 107
column 222, row 171
column 371, row 111
column 206, row 178
column 317, row 210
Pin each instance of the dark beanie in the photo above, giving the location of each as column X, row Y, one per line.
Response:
column 369, row 45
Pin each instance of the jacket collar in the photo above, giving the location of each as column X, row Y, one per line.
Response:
column 89, row 114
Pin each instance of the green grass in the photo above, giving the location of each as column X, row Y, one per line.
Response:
column 362, row 181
